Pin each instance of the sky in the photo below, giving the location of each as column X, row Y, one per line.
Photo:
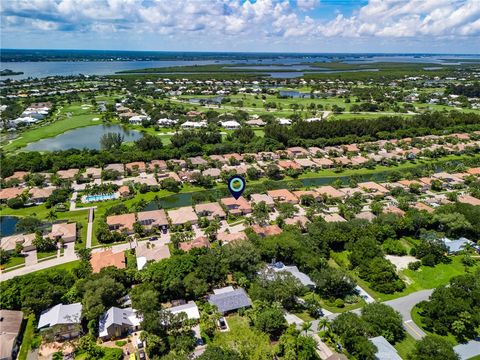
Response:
column 314, row 26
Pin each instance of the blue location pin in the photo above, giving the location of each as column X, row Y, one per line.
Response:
column 236, row 185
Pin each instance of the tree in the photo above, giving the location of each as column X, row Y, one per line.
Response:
column 260, row 213
column 149, row 142
column 4, row 256
column 270, row 320
column 433, row 347
column 28, row 224
column 295, row 346
column 44, row 244
column 273, row 172
column 383, row 321
column 286, row 210
column 52, row 216
column 110, row 141
column 170, row 185
column 334, row 283
column 219, row 353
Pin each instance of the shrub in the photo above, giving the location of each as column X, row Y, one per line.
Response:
column 394, row 247
column 339, row 303
column 415, row 265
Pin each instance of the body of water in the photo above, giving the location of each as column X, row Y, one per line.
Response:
column 7, row 225
column 262, row 61
column 85, row 137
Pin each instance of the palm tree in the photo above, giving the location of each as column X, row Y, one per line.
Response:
column 323, row 323
column 306, row 326
column 52, row 216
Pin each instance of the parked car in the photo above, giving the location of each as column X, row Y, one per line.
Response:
column 141, row 354
column 222, row 323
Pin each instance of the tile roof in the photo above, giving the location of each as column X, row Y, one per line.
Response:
column 102, row 259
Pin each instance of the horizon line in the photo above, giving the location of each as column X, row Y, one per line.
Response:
column 247, row 52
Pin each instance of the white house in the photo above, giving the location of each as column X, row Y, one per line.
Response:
column 166, row 122
column 137, row 119
column 230, row 124
column 284, row 121
column 194, row 125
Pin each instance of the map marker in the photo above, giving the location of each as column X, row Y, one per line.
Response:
column 236, row 185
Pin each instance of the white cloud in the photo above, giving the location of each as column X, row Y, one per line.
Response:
column 265, row 19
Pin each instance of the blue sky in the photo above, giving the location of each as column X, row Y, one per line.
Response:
column 439, row 26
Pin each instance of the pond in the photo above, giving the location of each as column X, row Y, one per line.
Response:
column 186, row 199
column 86, row 137
column 7, row 225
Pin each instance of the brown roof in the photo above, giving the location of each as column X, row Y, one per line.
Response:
column 211, row 210
column 199, row 242
column 161, row 164
column 183, row 215
column 64, row 230
column 10, row 325
column 67, row 174
column 226, row 238
column 467, row 199
column 236, row 206
column 298, row 220
column 140, row 165
column 268, row 230
column 151, row 251
column 152, row 218
column 289, row 164
column 10, row 193
column 394, row 210
column 474, row 171
column 283, row 195
column 329, row 191
column 373, row 187
column 422, row 206
column 124, row 190
column 107, row 258
column 18, row 175
column 333, row 218
column 41, row 193
column 124, row 221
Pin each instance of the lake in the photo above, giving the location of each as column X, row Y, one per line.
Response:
column 7, row 225
column 85, row 137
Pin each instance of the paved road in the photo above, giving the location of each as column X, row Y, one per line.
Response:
column 404, row 306
column 90, row 228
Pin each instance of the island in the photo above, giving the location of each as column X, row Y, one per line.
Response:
column 8, row 72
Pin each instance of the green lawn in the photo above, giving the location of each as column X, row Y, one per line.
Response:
column 424, row 278
column 43, row 255
column 406, row 346
column 28, row 337
column 13, row 261
column 57, row 125
column 417, row 319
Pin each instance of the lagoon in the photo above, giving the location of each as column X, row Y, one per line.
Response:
column 80, row 138
column 8, row 225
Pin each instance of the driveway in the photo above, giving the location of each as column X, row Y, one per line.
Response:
column 404, row 306
column 30, row 258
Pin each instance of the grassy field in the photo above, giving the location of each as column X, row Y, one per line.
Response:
column 424, row 278
column 60, row 123
column 406, row 346
column 13, row 261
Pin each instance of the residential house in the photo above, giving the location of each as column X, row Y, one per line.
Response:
column 17, row 175
column 297, row 151
column 458, row 245
column 9, row 243
column 62, row 322
column 182, row 216
column 211, row 211
column 10, row 326
column 124, row 191
column 306, row 163
column 153, row 219
column 190, row 309
column 391, row 209
column 136, row 167
column 236, row 207
column 66, row 232
column 229, row 299
column 103, row 259
column 226, row 238
column 67, row 174
column 123, row 222
column 283, row 195
column 385, row 350
column 288, row 164
column 159, row 165
column 298, row 220
column 230, row 124
column 373, row 187
column 257, row 198
column 365, row 215
column 213, row 172
column 199, row 242
column 468, row 199
column 302, row 277
column 92, row 173
column 40, row 195
column 117, row 322
column 10, row 193
column 330, row 192
column 269, row 230
column 149, row 251
column 115, row 167
column 198, row 161
column 423, row 207
column 332, row 218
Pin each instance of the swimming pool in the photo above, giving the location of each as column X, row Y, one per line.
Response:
column 102, row 197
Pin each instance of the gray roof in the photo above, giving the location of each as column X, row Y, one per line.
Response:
column 385, row 351
column 455, row 246
column 117, row 316
column 61, row 314
column 229, row 301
